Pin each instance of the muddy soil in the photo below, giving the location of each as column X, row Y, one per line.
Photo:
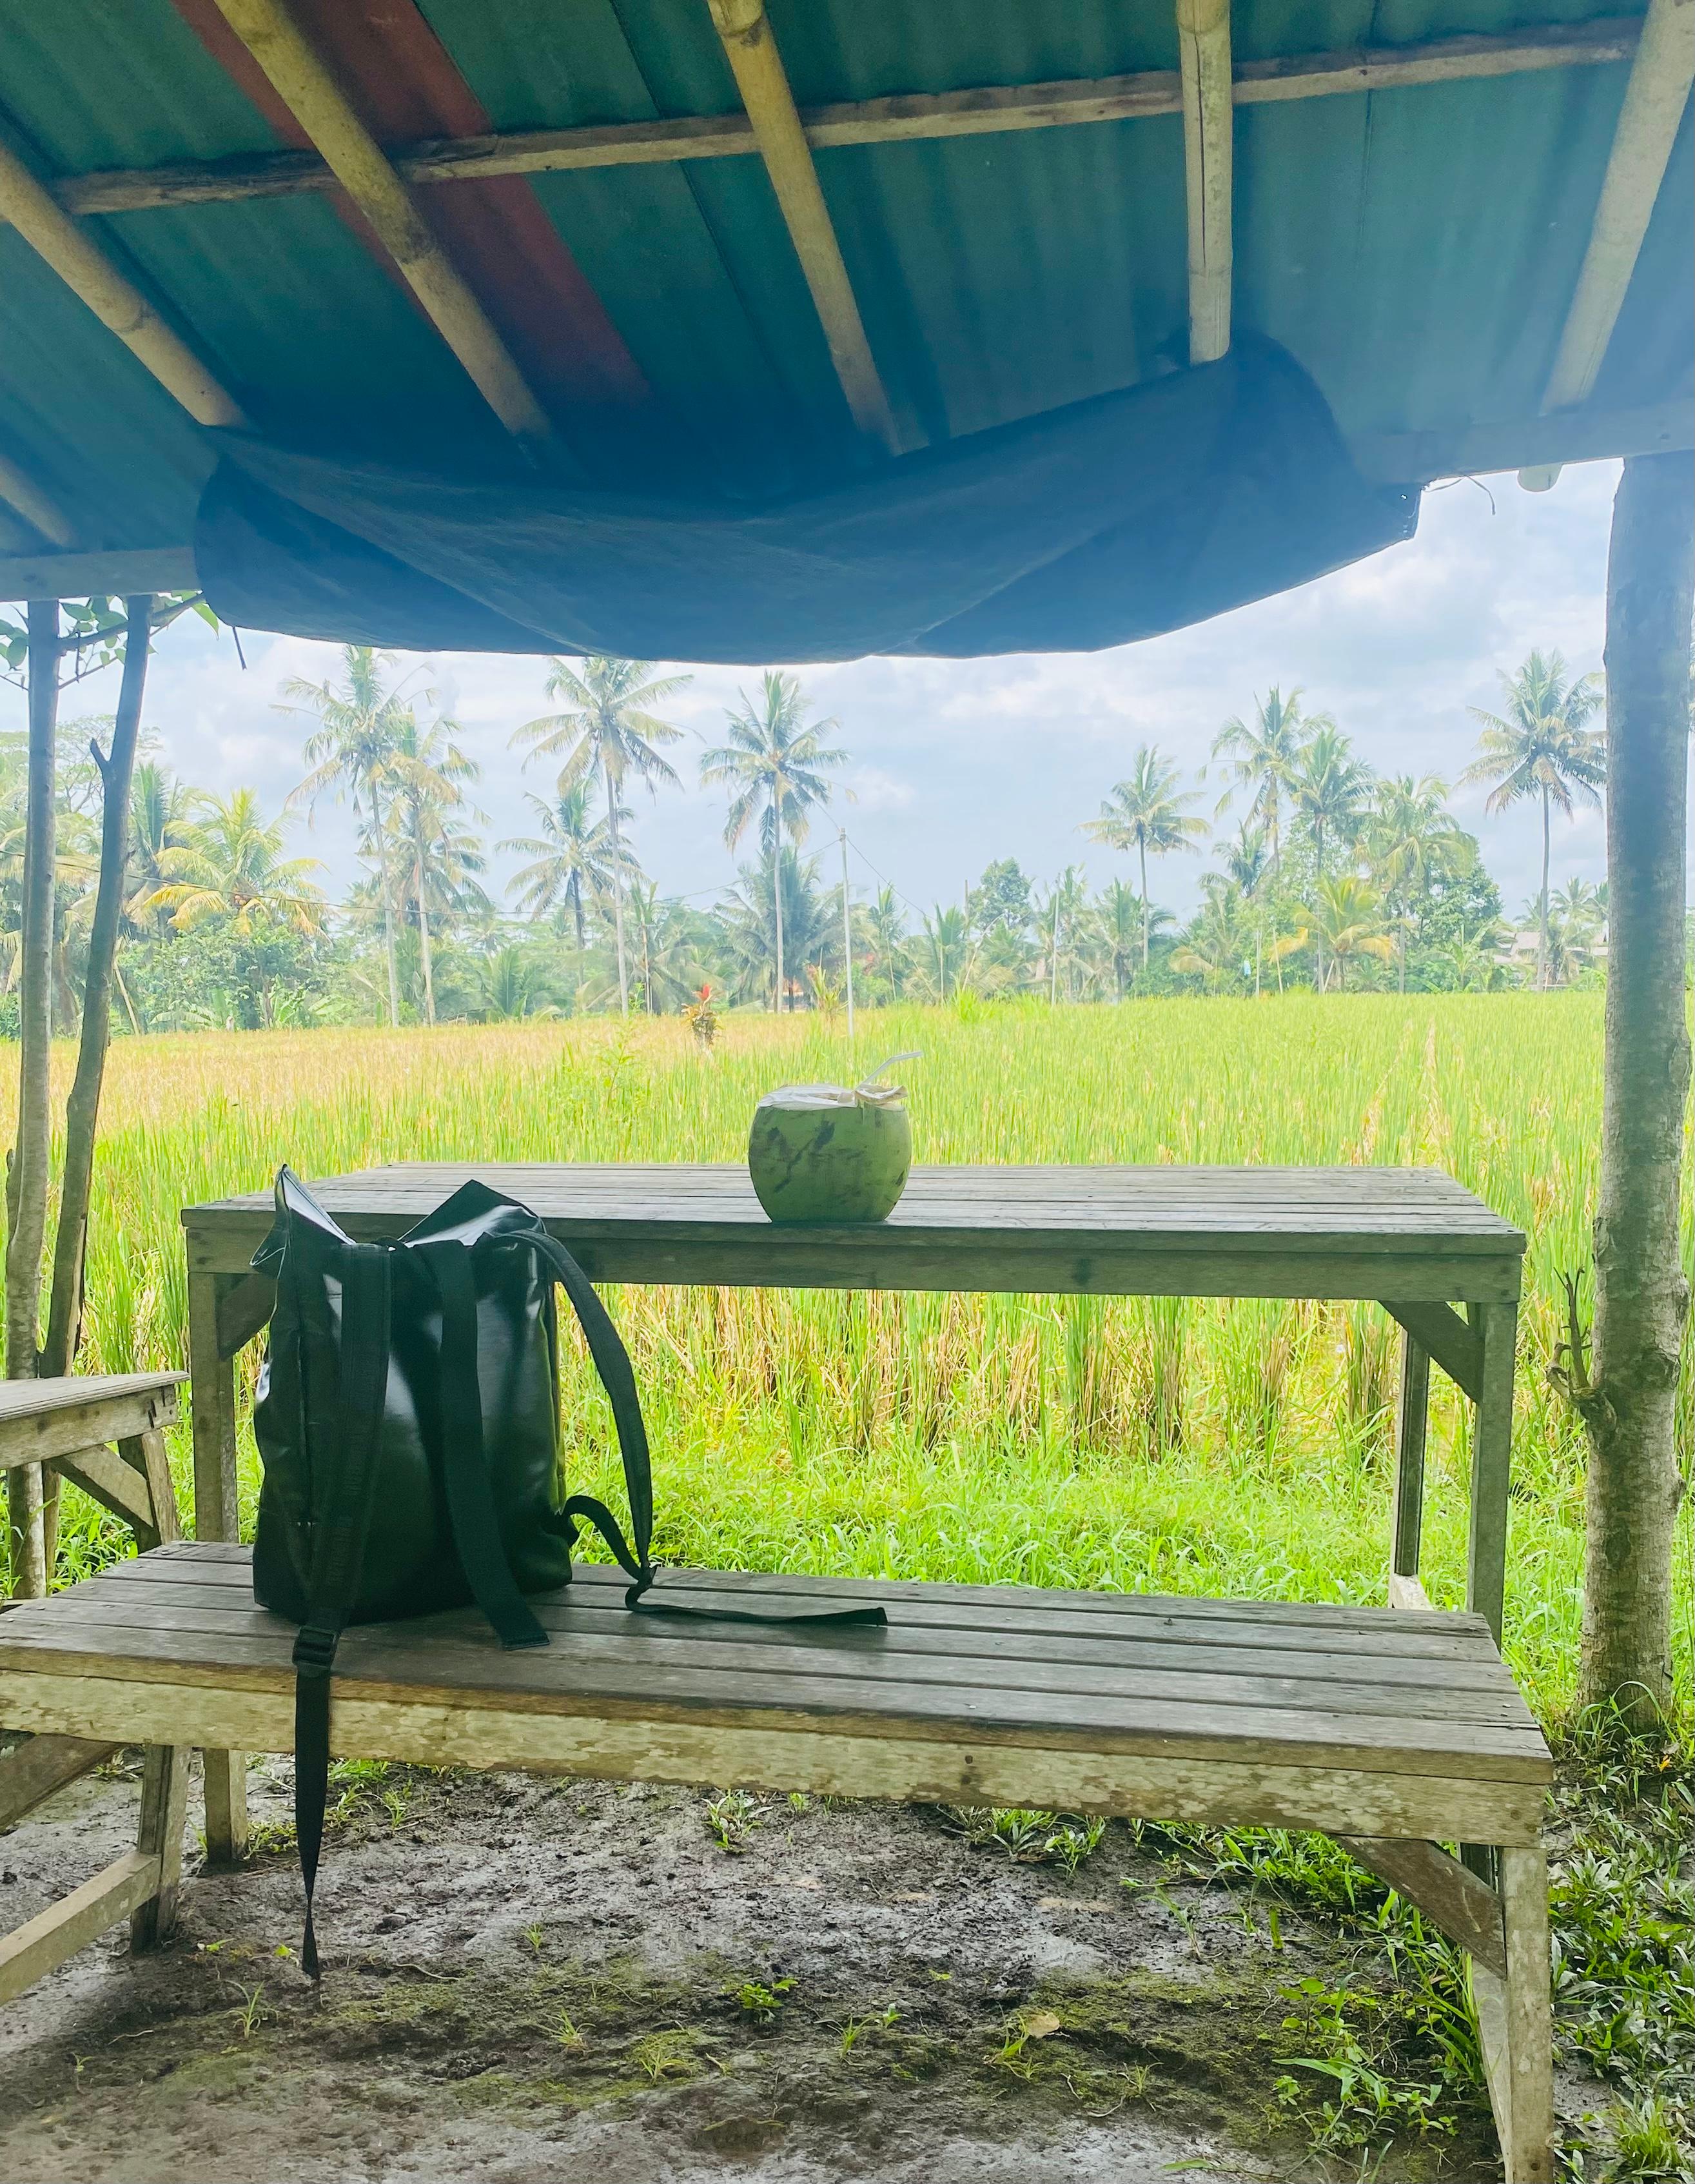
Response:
column 535, row 1979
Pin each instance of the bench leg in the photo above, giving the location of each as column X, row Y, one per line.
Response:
column 165, row 1808
column 1515, row 2022
column 216, row 1517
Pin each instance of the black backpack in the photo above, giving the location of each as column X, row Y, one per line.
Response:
column 420, row 1378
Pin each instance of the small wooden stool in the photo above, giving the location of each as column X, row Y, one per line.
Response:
column 105, row 1434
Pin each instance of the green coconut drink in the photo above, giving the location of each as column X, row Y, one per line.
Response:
column 832, row 1152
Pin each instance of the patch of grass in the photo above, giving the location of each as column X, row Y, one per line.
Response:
column 732, row 1820
column 1028, row 1838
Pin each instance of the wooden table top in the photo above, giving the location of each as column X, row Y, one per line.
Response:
column 1197, row 1230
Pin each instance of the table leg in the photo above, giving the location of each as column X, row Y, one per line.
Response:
column 1411, row 1425
column 1491, row 1451
column 217, row 1515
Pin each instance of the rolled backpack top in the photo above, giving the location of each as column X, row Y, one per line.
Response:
column 419, row 1379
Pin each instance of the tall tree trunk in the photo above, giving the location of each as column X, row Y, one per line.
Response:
column 383, row 881
column 1641, row 1298
column 1541, row 906
column 1141, row 854
column 82, row 1109
column 617, row 882
column 423, row 934
column 27, row 1183
column 777, row 906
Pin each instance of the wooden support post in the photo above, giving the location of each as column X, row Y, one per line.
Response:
column 147, row 1453
column 27, row 1177
column 1628, row 1398
column 1515, row 2022
column 32, row 1950
column 1203, row 48
column 763, row 83
column 32, row 1771
column 1411, row 1424
column 1491, row 1464
column 159, row 1834
column 217, row 1516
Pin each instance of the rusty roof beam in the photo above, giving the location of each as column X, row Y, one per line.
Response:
column 302, row 80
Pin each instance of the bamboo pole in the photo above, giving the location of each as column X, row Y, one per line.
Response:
column 1629, row 1402
column 991, row 109
column 26, row 1181
column 1203, row 47
column 38, row 509
column 1661, row 75
column 300, row 77
column 82, row 1108
column 763, row 83
column 112, row 297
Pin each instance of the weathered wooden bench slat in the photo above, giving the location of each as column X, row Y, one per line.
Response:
column 1429, row 1685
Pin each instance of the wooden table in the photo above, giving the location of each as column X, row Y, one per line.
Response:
column 1410, row 1239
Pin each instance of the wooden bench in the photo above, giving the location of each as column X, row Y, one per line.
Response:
column 1394, row 1729
column 106, row 1435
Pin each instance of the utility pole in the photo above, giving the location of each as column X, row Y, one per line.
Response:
column 847, row 940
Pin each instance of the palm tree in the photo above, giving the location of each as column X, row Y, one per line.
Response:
column 1146, row 812
column 886, row 930
column 158, row 807
column 947, row 941
column 427, row 769
column 608, row 725
column 1266, row 758
column 1058, row 917
column 811, row 923
column 774, row 764
column 1542, row 747
column 1330, row 791
column 571, row 852
column 351, row 753
column 1217, row 940
column 1410, row 838
column 1124, row 919
column 230, row 864
column 1345, row 921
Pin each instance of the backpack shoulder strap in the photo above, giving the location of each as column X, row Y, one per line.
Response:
column 338, row 1547
column 612, row 1362
column 464, row 1464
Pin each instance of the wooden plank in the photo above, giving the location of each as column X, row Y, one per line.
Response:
column 1012, row 1607
column 29, row 1398
column 217, row 1516
column 1515, row 2022
column 122, row 571
column 30, row 1951
column 1406, row 1592
column 1491, row 1451
column 1304, row 1681
column 1438, row 1329
column 68, row 1431
column 1429, row 1804
column 1457, row 1903
column 147, row 1455
column 1411, row 1419
column 906, row 117
column 39, row 1767
column 563, row 1682
column 578, row 1611
column 1203, row 49
column 102, row 1473
column 159, row 1836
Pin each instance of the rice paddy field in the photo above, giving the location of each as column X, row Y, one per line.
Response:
column 1164, row 1445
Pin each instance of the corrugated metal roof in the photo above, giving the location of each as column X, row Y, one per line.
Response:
column 1416, row 249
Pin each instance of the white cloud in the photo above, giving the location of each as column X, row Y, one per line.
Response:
column 958, row 762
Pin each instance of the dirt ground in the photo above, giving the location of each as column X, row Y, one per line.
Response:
column 537, row 1979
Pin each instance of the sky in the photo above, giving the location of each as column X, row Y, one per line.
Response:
column 953, row 763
